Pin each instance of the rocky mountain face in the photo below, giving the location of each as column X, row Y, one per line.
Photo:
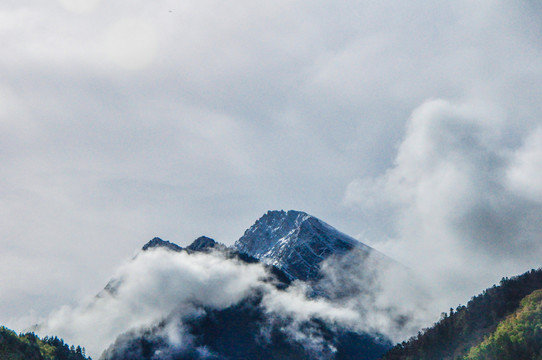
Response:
column 292, row 246
column 296, row 243
column 159, row 243
column 203, row 243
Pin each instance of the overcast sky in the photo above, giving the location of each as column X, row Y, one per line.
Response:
column 415, row 127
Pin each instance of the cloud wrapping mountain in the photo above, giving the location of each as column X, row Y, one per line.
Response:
column 152, row 286
column 168, row 287
column 327, row 296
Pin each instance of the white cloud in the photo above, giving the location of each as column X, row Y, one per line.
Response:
column 151, row 287
column 294, row 302
column 160, row 285
column 525, row 174
column 80, row 6
column 455, row 221
column 131, row 43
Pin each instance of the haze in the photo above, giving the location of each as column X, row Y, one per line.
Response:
column 414, row 127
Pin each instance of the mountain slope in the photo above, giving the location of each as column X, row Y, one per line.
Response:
column 159, row 243
column 291, row 246
column 210, row 301
column 296, row 243
column 517, row 337
column 463, row 329
column 245, row 331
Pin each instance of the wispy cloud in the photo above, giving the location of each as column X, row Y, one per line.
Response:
column 165, row 287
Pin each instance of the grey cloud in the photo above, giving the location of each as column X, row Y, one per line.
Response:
column 524, row 174
column 449, row 199
column 242, row 108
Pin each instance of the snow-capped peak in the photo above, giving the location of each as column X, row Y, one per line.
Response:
column 295, row 242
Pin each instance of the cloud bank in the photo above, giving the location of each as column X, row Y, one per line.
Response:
column 463, row 210
column 160, row 286
column 147, row 290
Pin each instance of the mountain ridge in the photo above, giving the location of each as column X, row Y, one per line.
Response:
column 293, row 241
column 157, row 242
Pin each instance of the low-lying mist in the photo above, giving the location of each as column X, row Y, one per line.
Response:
column 161, row 286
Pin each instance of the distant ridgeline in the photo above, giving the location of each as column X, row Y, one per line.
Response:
column 30, row 347
column 504, row 322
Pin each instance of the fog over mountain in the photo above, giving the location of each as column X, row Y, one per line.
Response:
column 414, row 127
column 165, row 288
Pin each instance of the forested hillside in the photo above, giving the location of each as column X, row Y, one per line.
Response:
column 30, row 347
column 461, row 333
column 517, row 337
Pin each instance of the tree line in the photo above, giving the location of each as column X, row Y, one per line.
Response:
column 466, row 326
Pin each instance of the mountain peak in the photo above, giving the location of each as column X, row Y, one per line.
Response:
column 159, row 243
column 295, row 242
column 201, row 244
